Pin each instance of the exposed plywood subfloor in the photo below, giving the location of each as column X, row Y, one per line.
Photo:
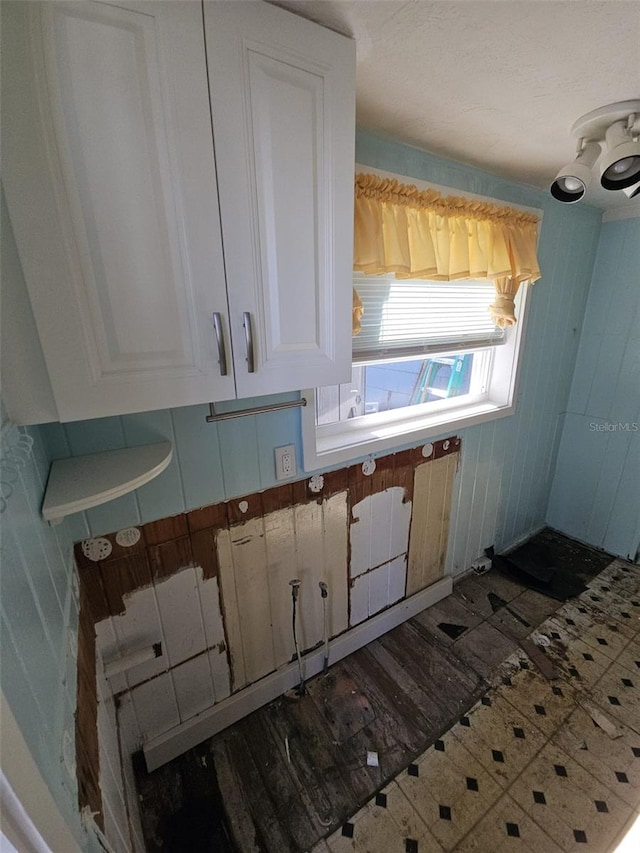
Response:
column 395, row 696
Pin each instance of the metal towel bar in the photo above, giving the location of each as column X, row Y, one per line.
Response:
column 214, row 416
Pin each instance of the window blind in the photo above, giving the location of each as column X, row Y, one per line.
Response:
column 405, row 317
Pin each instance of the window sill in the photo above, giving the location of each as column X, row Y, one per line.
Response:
column 358, row 441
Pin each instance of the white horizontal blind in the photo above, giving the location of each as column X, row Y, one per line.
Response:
column 414, row 316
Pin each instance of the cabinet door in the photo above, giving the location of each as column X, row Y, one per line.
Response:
column 111, row 185
column 283, row 106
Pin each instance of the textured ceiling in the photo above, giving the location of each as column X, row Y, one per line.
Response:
column 495, row 83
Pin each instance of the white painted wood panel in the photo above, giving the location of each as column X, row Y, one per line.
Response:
column 110, row 163
column 378, row 589
column 179, row 606
column 209, row 593
column 111, row 783
column 130, row 742
column 108, row 649
column 155, row 706
column 242, row 559
column 336, row 545
column 282, row 100
column 219, row 665
column 139, row 627
column 281, row 567
column 311, row 570
column 258, row 559
column 430, row 522
column 380, row 529
column 193, row 686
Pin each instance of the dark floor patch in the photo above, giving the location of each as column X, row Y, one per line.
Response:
column 495, row 601
column 197, row 828
column 453, row 631
column 551, row 564
column 181, row 807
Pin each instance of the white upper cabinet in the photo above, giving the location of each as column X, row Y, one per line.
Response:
column 282, row 101
column 168, row 265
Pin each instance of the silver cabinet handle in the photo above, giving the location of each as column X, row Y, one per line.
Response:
column 222, row 354
column 248, row 336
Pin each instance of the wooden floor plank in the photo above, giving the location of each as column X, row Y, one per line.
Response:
column 270, row 759
column 403, row 720
column 236, row 800
column 270, row 834
column 326, row 796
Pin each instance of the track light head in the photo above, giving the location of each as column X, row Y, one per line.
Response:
column 572, row 181
column 620, row 166
column 615, row 129
column 632, row 191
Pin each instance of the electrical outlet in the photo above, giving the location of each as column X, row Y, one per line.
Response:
column 286, row 467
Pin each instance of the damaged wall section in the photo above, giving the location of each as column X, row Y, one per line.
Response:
column 208, row 591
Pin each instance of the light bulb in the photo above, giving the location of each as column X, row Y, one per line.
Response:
column 571, row 184
column 622, row 165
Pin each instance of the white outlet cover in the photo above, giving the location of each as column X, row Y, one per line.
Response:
column 288, row 454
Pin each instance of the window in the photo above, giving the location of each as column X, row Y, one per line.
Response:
column 428, row 359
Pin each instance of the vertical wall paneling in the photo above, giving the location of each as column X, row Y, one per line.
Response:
column 379, row 539
column 113, row 798
column 258, row 559
column 379, row 530
column 430, row 523
column 197, row 452
column 193, row 686
column 594, row 495
column 513, row 459
column 335, row 566
column 155, row 705
column 309, row 567
column 161, row 493
column 209, row 594
column 180, row 615
column 39, row 625
column 244, row 581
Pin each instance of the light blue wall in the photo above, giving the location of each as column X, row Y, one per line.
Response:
column 596, row 488
column 506, row 469
column 39, row 618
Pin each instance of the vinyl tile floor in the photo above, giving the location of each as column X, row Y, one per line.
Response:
column 536, row 764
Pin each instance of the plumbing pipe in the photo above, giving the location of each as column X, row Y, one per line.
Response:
column 295, row 588
column 324, row 592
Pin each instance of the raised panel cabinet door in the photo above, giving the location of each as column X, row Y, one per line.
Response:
column 110, row 178
column 283, row 107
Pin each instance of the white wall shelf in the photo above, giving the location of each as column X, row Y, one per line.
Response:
column 85, row 481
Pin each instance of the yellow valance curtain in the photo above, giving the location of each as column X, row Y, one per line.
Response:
column 422, row 234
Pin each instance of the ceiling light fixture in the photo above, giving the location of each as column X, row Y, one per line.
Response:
column 614, row 129
column 633, row 191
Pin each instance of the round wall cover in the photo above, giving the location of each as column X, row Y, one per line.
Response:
column 128, row 537
column 427, row 450
column 96, row 549
column 243, row 506
column 368, row 467
column 316, row 483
